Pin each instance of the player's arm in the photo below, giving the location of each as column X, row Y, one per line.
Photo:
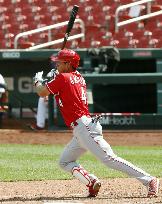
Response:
column 42, row 90
column 40, row 86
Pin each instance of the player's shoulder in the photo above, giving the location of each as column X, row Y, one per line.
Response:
column 76, row 73
column 63, row 75
column 70, row 75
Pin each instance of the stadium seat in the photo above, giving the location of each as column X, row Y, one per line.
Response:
column 18, row 11
column 9, row 39
column 21, row 18
column 50, row 2
column 153, row 43
column 74, row 44
column 129, row 35
column 159, row 25
column 151, row 24
column 98, row 16
column 104, row 37
column 157, row 33
column 123, row 43
column 85, row 44
column 133, row 43
column 106, row 2
column 23, row 45
column 124, row 17
column 144, row 43
column 5, row 27
column 32, row 2
column 142, row 33
column 92, row 32
column 114, row 43
column 122, row 34
column 159, row 45
column 133, row 26
column 156, row 7
column 104, row 42
column 3, row 9
column 56, row 18
column 1, row 36
column 53, row 9
column 23, row 27
column 4, row 19
column 125, row 1
column 106, row 9
column 158, row 2
column 95, row 44
column 5, row 44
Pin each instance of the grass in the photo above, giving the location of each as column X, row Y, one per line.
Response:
column 40, row 162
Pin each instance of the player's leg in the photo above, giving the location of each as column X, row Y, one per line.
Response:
column 41, row 112
column 71, row 153
column 90, row 135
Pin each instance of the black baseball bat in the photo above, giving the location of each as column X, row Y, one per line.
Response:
column 70, row 24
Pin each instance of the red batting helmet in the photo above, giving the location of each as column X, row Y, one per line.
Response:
column 67, row 55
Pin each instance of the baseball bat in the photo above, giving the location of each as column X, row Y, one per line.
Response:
column 70, row 24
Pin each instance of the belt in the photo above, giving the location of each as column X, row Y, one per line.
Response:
column 96, row 118
column 73, row 124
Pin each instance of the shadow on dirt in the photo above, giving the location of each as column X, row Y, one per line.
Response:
column 65, row 198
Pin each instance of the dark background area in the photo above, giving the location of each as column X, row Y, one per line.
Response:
column 128, row 97
column 107, row 98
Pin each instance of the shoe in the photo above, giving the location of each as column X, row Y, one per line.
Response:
column 94, row 188
column 35, row 127
column 153, row 188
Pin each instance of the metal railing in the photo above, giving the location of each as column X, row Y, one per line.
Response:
column 49, row 28
column 148, row 15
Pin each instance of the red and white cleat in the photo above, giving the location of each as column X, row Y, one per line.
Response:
column 153, row 188
column 94, row 188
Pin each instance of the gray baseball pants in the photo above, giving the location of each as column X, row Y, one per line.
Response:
column 88, row 136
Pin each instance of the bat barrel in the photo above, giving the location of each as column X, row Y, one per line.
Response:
column 70, row 24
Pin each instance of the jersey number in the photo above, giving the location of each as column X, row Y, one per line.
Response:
column 84, row 98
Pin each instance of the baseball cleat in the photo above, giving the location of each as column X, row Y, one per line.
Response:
column 34, row 127
column 153, row 188
column 94, row 188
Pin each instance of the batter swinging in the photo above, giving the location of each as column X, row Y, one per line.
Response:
column 69, row 88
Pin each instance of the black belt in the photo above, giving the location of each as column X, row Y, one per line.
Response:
column 73, row 124
column 96, row 118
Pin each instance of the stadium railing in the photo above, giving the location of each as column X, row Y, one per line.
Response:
column 142, row 17
column 49, row 28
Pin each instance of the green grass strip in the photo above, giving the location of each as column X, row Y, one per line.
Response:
column 40, row 162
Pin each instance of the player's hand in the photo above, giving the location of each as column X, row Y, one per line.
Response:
column 38, row 78
column 52, row 73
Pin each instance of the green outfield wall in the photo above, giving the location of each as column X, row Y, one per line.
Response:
column 135, row 87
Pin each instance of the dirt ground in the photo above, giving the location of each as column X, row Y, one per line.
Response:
column 113, row 191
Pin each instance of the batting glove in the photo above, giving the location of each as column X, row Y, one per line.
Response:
column 52, row 74
column 38, row 78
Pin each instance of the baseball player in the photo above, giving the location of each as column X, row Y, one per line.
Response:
column 41, row 114
column 3, row 95
column 69, row 88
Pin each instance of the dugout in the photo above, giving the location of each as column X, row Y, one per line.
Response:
column 130, row 97
column 118, row 98
column 134, row 87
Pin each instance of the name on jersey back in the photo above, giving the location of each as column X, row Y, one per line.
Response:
column 76, row 80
